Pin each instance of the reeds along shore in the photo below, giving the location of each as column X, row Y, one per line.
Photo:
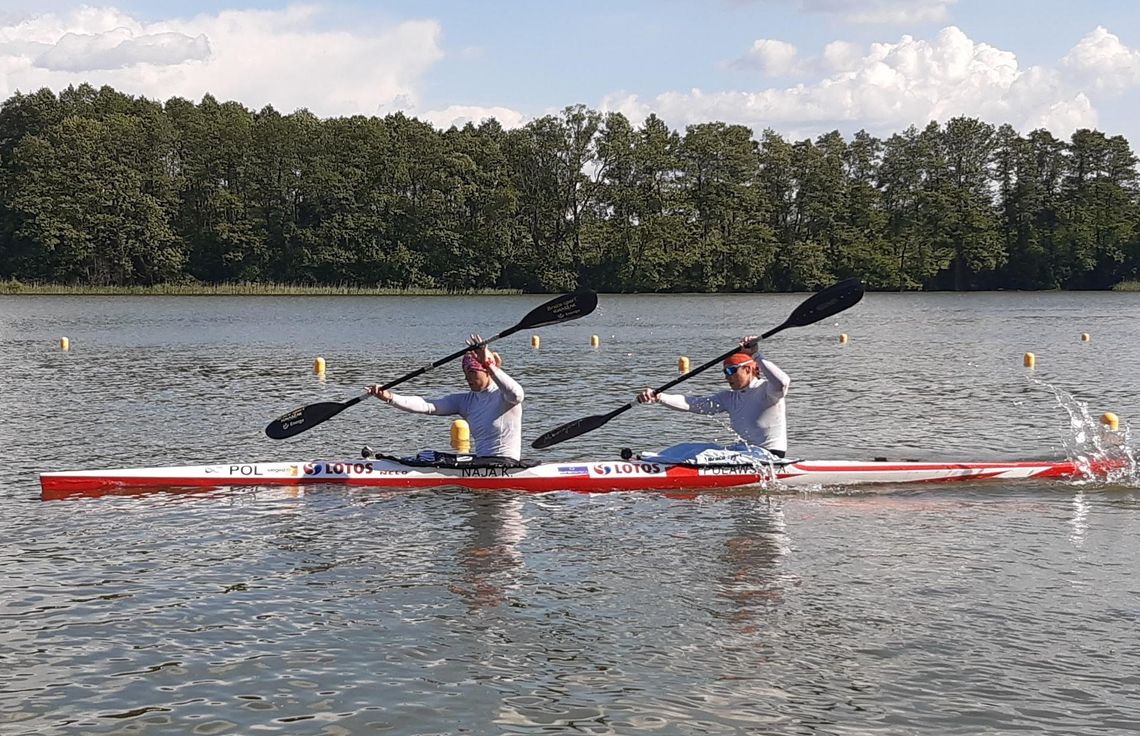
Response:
column 231, row 289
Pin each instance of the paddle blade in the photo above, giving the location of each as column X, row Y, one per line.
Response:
column 305, row 417
column 823, row 304
column 570, row 430
column 560, row 309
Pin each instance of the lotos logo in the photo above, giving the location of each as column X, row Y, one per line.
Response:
column 627, row 469
column 345, row 468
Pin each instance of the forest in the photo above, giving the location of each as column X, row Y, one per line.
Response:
column 101, row 188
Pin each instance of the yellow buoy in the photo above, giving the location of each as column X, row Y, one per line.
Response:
column 682, row 364
column 843, row 338
column 460, row 436
column 593, row 341
column 1030, row 360
column 1110, row 420
column 534, row 341
column 319, row 366
column 1085, row 337
column 64, row 344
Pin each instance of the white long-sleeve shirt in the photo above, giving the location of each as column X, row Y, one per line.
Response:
column 756, row 412
column 494, row 415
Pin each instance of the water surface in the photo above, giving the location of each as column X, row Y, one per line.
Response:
column 989, row 608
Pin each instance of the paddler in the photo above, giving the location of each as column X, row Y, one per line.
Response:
column 492, row 408
column 754, row 400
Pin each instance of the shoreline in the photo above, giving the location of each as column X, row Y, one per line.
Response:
column 17, row 288
column 20, row 289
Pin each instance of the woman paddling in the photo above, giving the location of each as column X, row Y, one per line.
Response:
column 492, row 408
column 754, row 400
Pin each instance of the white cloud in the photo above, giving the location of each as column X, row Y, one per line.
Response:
column 878, row 11
column 460, row 115
column 841, row 56
column 257, row 57
column 119, row 48
column 773, row 58
column 889, row 87
column 1102, row 60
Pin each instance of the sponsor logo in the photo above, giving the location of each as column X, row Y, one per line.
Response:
column 573, row 470
column 339, row 469
column 626, row 469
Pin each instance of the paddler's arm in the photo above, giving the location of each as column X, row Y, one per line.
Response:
column 678, row 402
column 444, row 406
column 777, row 380
column 511, row 390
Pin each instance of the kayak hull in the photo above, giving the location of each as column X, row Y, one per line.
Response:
column 589, row 477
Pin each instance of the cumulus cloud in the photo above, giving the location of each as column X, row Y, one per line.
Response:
column 773, row 58
column 1102, row 60
column 890, row 86
column 287, row 57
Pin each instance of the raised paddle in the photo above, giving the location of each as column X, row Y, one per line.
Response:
column 832, row 300
column 560, row 309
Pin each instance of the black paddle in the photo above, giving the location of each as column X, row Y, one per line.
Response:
column 832, row 300
column 559, row 309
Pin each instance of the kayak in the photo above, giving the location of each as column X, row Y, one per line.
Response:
column 632, row 474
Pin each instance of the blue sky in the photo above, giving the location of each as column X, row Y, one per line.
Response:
column 801, row 67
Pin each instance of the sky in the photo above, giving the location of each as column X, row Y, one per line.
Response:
column 799, row 67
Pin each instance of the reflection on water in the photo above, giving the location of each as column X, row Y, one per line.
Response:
column 984, row 608
column 491, row 560
column 1079, row 521
column 752, row 580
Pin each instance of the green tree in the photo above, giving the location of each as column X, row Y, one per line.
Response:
column 83, row 196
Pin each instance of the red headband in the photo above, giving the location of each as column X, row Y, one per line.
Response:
column 471, row 363
column 737, row 359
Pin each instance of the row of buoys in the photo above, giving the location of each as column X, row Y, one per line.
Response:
column 536, row 343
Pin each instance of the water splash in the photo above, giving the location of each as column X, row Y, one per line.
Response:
column 1089, row 442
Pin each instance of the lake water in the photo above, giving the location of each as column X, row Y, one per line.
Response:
column 979, row 608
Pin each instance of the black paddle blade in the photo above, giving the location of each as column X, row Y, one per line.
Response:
column 570, row 430
column 305, row 417
column 560, row 309
column 821, row 305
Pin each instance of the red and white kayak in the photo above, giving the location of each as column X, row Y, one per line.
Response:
column 590, row 477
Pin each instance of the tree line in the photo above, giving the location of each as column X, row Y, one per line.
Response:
column 102, row 188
